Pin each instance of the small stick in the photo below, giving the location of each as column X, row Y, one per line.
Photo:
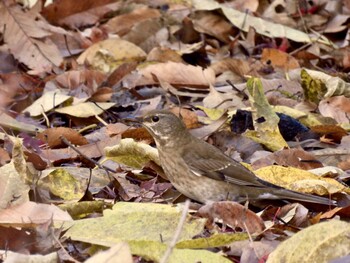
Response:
column 177, row 233
column 66, row 142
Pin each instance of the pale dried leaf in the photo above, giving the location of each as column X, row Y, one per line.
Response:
column 117, row 253
column 86, row 109
column 106, row 55
column 30, row 214
column 244, row 21
column 46, row 102
column 39, row 55
column 321, row 243
column 13, row 187
column 177, row 74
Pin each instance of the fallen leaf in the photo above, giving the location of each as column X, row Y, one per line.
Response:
column 122, row 24
column 86, row 109
column 117, row 253
column 336, row 107
column 134, row 222
column 300, row 180
column 48, row 101
column 315, row 244
column 234, row 215
column 279, row 59
column 52, row 137
column 30, row 214
column 131, row 153
column 109, row 54
column 13, row 187
column 244, row 21
column 265, row 119
column 8, row 121
column 27, row 41
column 177, row 74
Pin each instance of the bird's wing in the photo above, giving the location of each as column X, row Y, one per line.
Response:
column 207, row 160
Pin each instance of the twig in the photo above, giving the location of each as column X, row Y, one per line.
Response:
column 92, row 126
column 45, row 117
column 177, row 233
column 66, row 142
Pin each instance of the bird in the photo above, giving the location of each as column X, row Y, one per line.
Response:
column 204, row 173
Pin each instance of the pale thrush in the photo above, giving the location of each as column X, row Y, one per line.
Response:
column 203, row 173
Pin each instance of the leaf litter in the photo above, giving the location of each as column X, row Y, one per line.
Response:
column 75, row 73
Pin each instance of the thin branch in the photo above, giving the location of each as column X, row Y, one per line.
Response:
column 177, row 233
column 66, row 142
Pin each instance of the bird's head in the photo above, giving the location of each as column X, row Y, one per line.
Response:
column 164, row 126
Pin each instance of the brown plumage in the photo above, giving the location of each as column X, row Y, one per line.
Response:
column 202, row 172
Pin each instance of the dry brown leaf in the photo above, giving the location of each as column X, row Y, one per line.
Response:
column 123, row 23
column 92, row 150
column 177, row 74
column 330, row 132
column 242, row 67
column 337, row 107
column 30, row 214
column 116, row 128
column 15, row 84
column 26, row 40
column 138, row 134
column 75, row 78
column 212, row 24
column 120, row 72
column 77, row 13
column 294, row 214
column 331, row 213
column 189, row 117
column 148, row 34
column 233, row 214
column 52, row 137
column 102, row 94
column 289, row 157
column 163, row 54
column 279, row 59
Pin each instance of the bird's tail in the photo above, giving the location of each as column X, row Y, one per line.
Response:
column 288, row 194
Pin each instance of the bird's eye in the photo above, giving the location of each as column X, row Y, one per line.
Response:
column 155, row 118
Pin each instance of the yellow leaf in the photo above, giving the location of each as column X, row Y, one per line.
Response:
column 213, row 114
column 106, row 55
column 314, row 88
column 265, row 119
column 300, row 180
column 318, row 243
column 132, row 153
column 62, row 184
column 134, row 222
column 86, row 109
